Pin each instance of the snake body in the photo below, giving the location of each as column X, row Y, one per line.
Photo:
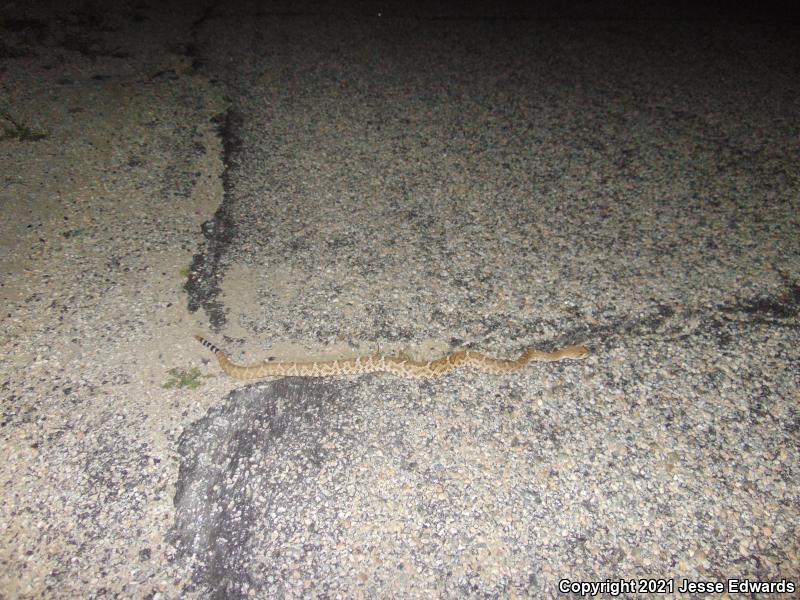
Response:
column 390, row 364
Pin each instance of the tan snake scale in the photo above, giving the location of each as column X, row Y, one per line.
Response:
column 390, row 364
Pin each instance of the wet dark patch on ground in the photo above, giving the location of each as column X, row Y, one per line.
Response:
column 784, row 305
column 227, row 462
column 207, row 272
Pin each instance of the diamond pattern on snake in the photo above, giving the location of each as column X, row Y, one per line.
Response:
column 400, row 367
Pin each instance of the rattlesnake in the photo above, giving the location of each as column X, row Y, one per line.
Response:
column 392, row 364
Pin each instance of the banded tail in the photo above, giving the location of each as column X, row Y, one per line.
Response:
column 209, row 345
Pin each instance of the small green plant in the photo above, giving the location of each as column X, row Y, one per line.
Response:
column 185, row 272
column 181, row 378
column 17, row 129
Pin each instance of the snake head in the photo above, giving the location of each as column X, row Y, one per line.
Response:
column 576, row 352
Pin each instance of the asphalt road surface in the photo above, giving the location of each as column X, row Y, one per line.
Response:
column 299, row 181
